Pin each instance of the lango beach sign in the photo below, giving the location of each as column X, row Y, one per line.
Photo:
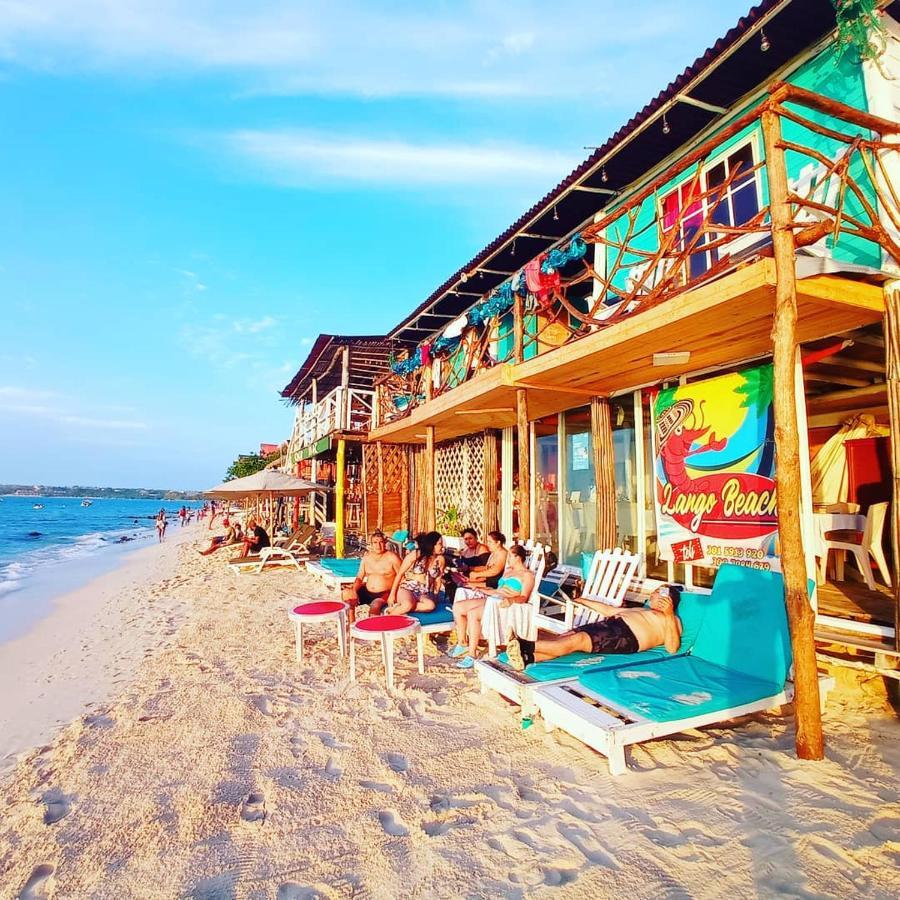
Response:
column 714, row 470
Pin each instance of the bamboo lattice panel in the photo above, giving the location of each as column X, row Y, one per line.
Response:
column 459, row 480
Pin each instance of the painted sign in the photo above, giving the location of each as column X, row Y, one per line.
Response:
column 714, row 471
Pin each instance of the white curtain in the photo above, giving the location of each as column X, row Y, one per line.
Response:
column 829, row 465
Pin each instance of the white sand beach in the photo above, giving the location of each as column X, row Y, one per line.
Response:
column 219, row 768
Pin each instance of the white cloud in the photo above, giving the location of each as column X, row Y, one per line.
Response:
column 295, row 157
column 16, row 401
column 353, row 47
column 244, row 326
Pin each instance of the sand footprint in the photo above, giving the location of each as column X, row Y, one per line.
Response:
column 263, row 704
column 329, row 740
column 397, row 761
column 380, row 786
column 253, row 808
column 290, row 890
column 332, row 769
column 35, row 887
column 392, row 823
column 56, row 806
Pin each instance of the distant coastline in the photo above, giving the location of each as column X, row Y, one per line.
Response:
column 96, row 493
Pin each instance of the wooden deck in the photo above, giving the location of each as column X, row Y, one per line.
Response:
column 850, row 600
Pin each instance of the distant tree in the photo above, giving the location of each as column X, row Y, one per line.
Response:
column 246, row 464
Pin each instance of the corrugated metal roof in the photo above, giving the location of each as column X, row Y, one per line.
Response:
column 791, row 26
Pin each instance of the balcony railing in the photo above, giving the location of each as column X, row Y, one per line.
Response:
column 705, row 216
column 342, row 409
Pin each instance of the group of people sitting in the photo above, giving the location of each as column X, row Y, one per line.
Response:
column 254, row 539
column 389, row 584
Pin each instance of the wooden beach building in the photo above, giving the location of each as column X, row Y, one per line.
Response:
column 737, row 238
column 333, row 394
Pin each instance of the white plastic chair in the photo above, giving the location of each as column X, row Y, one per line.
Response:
column 868, row 543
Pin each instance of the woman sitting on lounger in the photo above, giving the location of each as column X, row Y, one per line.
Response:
column 418, row 580
column 515, row 586
column 489, row 574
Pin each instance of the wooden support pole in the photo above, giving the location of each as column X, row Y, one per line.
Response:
column 340, row 483
column 892, row 377
column 379, row 450
column 491, row 470
column 518, row 329
column 522, row 430
column 430, row 512
column 809, row 738
column 404, row 488
column 604, row 473
column 344, row 408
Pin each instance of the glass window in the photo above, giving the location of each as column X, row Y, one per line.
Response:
column 579, row 495
column 546, row 494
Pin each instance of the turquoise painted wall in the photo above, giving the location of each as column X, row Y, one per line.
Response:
column 843, row 82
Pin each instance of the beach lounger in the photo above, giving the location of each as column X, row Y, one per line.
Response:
column 268, row 556
column 610, row 576
column 739, row 663
column 497, row 675
column 299, row 541
column 335, row 573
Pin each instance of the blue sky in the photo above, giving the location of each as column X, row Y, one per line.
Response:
column 190, row 193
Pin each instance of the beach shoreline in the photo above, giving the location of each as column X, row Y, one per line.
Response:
column 82, row 639
column 216, row 766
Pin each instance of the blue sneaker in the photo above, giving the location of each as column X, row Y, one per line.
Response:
column 457, row 651
column 467, row 662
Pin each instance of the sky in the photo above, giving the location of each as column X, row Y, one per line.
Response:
column 191, row 192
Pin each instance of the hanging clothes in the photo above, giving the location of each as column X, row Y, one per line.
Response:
column 541, row 283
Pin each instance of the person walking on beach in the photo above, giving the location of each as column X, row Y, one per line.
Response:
column 182, row 514
column 161, row 525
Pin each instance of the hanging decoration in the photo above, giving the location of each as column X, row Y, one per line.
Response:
column 538, row 279
column 859, row 28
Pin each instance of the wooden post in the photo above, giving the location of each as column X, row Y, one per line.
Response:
column 430, row 512
column 522, row 430
column 892, row 378
column 491, row 495
column 518, row 330
column 428, row 377
column 379, row 450
column 344, row 409
column 404, row 489
column 340, row 481
column 809, row 739
column 604, row 473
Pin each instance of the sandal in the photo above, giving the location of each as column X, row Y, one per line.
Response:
column 467, row 662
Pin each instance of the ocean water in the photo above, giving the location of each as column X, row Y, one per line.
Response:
column 45, row 552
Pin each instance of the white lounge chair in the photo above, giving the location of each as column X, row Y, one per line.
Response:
column 739, row 663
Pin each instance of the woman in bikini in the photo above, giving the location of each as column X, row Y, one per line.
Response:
column 418, row 580
column 515, row 586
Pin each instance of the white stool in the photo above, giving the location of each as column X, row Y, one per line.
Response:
column 320, row 611
column 385, row 629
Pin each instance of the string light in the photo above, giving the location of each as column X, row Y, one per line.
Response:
column 764, row 44
column 513, row 251
column 665, row 128
column 603, row 176
column 555, row 215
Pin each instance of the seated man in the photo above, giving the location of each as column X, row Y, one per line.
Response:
column 377, row 571
column 622, row 630
column 233, row 535
column 255, row 538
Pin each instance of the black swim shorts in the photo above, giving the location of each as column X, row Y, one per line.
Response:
column 366, row 596
column 610, row 636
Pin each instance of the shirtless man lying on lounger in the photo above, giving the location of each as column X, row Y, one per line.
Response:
column 375, row 578
column 622, row 630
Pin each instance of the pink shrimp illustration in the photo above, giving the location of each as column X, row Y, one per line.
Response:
column 677, row 430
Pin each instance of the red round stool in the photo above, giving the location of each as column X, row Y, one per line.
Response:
column 320, row 611
column 384, row 629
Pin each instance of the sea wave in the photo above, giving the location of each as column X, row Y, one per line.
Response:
column 15, row 575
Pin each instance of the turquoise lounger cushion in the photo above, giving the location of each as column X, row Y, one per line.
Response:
column 745, row 626
column 679, row 687
column 690, row 611
column 443, row 615
column 340, row 567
